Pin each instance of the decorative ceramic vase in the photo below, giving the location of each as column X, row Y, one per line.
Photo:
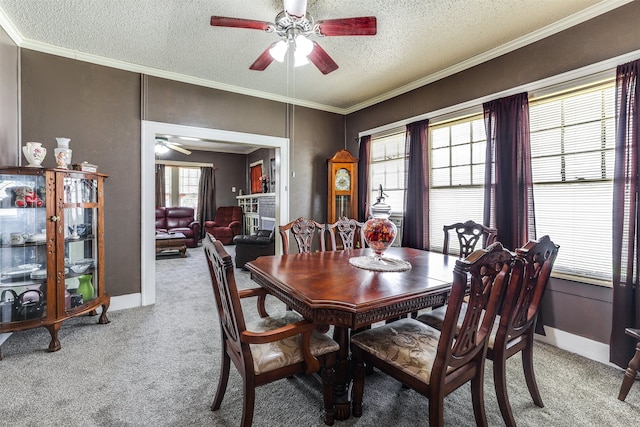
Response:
column 34, row 152
column 85, row 288
column 379, row 232
column 63, row 153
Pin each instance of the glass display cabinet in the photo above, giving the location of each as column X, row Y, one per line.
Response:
column 51, row 248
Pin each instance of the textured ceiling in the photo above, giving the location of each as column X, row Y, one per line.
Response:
column 417, row 41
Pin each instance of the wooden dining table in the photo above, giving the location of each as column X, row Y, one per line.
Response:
column 326, row 289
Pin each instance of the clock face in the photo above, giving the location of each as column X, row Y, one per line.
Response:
column 343, row 180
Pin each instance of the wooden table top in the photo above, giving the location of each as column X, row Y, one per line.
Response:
column 326, row 289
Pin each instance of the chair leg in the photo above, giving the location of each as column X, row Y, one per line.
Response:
column 248, row 401
column 328, row 383
column 358, row 383
column 630, row 374
column 222, row 382
column 529, row 374
column 500, row 382
column 477, row 397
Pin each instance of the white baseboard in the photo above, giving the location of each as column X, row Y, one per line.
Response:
column 123, row 302
column 585, row 347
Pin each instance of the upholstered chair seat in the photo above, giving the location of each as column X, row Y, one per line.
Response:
column 286, row 352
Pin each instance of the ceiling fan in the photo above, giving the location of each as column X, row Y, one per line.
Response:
column 294, row 26
column 163, row 145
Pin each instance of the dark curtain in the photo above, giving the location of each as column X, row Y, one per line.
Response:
column 626, row 219
column 160, row 202
column 206, row 197
column 508, row 181
column 415, row 224
column 363, row 178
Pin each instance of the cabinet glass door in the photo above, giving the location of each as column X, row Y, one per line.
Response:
column 80, row 222
column 23, row 248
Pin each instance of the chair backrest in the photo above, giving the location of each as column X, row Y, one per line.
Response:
column 179, row 217
column 221, row 268
column 225, row 215
column 522, row 303
column 346, row 234
column 486, row 272
column 303, row 231
column 469, row 234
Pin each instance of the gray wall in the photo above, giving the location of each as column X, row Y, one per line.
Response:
column 99, row 109
column 577, row 308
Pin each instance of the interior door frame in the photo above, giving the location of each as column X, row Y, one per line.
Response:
column 149, row 131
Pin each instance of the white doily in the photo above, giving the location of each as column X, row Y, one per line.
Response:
column 385, row 264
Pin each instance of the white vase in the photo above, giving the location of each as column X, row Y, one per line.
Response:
column 34, row 152
column 63, row 153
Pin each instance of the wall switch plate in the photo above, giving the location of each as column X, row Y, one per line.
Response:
column 233, row 189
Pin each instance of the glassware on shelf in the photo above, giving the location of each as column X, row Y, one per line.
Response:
column 379, row 232
column 85, row 287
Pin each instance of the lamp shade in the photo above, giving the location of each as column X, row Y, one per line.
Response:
column 279, row 50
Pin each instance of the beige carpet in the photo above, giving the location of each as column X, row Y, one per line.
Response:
column 158, row 366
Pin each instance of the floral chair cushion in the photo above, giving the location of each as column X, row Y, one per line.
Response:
column 267, row 357
column 406, row 344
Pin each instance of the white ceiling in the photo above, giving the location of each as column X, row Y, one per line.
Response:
column 417, row 41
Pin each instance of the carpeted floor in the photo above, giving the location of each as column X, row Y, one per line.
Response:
column 158, row 366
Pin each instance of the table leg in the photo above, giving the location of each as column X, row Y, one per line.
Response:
column 341, row 390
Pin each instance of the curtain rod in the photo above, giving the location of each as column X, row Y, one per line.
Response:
column 185, row 164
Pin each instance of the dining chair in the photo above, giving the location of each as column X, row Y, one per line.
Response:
column 436, row 362
column 634, row 365
column 345, row 234
column 304, row 232
column 468, row 234
column 268, row 349
column 515, row 325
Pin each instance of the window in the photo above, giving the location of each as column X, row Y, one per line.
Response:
column 181, row 186
column 572, row 157
column 458, row 150
column 387, row 168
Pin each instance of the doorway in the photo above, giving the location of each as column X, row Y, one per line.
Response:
column 149, row 132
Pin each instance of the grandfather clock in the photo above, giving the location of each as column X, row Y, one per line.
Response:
column 342, row 186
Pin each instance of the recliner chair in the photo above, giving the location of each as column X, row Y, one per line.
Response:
column 226, row 225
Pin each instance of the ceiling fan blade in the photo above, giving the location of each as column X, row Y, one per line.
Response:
column 362, row 26
column 296, row 8
column 263, row 60
column 179, row 149
column 222, row 21
column 322, row 60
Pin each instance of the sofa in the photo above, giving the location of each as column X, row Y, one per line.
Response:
column 248, row 248
column 226, row 225
column 178, row 219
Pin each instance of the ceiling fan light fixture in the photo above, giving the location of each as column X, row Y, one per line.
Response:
column 161, row 148
column 295, row 8
column 300, row 60
column 304, row 46
column 278, row 51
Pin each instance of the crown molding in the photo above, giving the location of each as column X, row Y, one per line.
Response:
column 575, row 19
column 568, row 22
